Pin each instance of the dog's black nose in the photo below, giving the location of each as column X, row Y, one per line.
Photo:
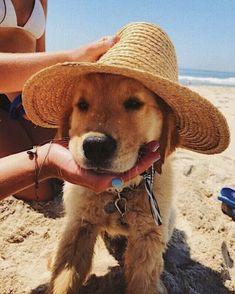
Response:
column 99, row 149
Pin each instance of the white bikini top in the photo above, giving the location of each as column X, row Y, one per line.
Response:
column 35, row 24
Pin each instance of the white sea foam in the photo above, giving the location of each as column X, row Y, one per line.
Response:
column 190, row 80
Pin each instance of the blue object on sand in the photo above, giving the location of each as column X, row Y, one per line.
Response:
column 227, row 196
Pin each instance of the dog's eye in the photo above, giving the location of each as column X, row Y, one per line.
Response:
column 83, row 105
column 133, row 103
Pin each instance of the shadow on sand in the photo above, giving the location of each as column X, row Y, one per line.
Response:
column 182, row 275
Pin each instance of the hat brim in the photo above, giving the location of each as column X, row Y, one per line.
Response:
column 201, row 127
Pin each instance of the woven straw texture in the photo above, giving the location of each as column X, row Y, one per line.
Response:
column 146, row 54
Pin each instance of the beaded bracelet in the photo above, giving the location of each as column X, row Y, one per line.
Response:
column 34, row 155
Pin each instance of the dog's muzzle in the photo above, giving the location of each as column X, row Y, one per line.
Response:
column 99, row 150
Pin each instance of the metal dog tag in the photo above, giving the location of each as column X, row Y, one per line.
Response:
column 120, row 204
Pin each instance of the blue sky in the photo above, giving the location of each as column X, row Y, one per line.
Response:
column 203, row 31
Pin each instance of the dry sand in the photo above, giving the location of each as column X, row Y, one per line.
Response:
column 201, row 254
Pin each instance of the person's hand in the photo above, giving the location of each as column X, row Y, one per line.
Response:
column 63, row 165
column 93, row 51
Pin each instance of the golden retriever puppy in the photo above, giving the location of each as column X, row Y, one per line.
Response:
column 110, row 121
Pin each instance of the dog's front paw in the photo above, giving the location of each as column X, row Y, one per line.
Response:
column 67, row 281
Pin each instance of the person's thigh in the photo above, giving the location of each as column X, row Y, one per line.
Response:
column 38, row 135
column 14, row 138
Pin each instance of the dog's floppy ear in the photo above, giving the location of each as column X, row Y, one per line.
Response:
column 169, row 139
column 64, row 126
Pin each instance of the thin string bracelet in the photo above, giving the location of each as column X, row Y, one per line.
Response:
column 34, row 155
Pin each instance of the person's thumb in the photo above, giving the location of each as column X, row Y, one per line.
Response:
column 103, row 45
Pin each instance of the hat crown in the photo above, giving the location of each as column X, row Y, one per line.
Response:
column 146, row 54
column 145, row 47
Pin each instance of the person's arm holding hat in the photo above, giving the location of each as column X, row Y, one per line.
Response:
column 16, row 68
column 17, row 171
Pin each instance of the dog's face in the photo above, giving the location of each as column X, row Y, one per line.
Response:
column 111, row 119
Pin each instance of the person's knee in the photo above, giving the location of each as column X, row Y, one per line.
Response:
column 13, row 136
column 45, row 192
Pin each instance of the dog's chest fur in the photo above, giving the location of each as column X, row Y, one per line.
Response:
column 81, row 203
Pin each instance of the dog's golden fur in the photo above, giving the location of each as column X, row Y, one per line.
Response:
column 125, row 110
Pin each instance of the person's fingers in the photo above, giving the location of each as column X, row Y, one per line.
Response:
column 93, row 51
column 152, row 155
column 105, row 43
column 142, row 165
column 101, row 46
column 152, row 146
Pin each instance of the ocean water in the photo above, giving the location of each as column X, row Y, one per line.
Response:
column 206, row 77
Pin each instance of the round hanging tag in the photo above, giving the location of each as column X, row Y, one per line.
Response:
column 117, row 183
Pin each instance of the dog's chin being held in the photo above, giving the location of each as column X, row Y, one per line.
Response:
column 111, row 123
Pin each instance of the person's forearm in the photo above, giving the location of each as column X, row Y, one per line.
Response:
column 16, row 68
column 17, row 171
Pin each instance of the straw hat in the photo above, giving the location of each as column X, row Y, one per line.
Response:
column 146, row 54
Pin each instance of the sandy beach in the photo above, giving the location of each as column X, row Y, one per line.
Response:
column 201, row 255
